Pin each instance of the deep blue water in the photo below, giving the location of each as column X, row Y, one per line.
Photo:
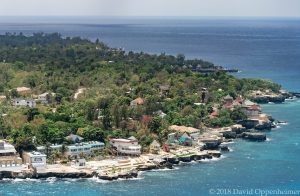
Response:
column 263, row 48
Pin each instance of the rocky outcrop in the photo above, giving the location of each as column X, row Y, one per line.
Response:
column 249, row 124
column 229, row 134
column 224, row 148
column 239, row 130
column 296, row 94
column 63, row 175
column 185, row 159
column 128, row 175
column 267, row 99
column 254, row 136
column 256, row 124
column 264, row 126
column 24, row 175
column 172, row 160
column 6, row 174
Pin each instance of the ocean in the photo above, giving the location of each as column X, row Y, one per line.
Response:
column 259, row 47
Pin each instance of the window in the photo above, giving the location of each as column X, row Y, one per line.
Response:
column 38, row 160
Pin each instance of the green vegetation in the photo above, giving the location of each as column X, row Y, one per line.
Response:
column 112, row 78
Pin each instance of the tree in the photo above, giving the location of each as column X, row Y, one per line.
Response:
column 106, row 120
column 237, row 114
column 24, row 143
column 180, row 59
column 14, row 93
column 116, row 115
column 155, row 124
column 31, row 113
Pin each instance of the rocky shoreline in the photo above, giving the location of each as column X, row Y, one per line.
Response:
column 168, row 161
column 251, row 130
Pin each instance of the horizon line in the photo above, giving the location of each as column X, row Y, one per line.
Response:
column 145, row 16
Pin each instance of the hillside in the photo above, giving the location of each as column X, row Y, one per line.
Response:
column 109, row 80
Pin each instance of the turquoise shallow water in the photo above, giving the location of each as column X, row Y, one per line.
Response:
column 266, row 49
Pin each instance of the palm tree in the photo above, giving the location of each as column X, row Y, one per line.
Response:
column 63, row 150
column 48, row 149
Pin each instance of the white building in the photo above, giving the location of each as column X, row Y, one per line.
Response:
column 7, row 149
column 36, row 160
column 8, row 155
column 24, row 102
column 128, row 146
column 85, row 148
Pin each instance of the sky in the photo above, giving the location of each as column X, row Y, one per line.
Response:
column 244, row 8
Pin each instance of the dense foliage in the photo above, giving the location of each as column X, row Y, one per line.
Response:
column 112, row 78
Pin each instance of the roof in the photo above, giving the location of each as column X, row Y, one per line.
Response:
column 132, row 138
column 36, row 154
column 254, row 108
column 138, row 101
column 46, row 93
column 185, row 135
column 239, row 99
column 247, row 102
column 22, row 89
column 228, row 97
column 182, row 129
column 8, row 148
column 155, row 143
column 121, row 140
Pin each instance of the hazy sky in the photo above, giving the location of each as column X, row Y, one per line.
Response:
column 287, row 8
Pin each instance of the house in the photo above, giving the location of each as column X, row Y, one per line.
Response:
column 85, row 148
column 252, row 110
column 228, row 98
column 136, row 102
column 230, row 104
column 154, row 147
column 172, row 138
column 185, row 140
column 24, row 102
column 191, row 131
column 74, row 138
column 23, row 90
column 50, row 149
column 45, row 97
column 8, row 155
column 36, row 160
column 128, row 146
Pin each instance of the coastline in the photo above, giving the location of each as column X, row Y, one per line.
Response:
column 167, row 161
